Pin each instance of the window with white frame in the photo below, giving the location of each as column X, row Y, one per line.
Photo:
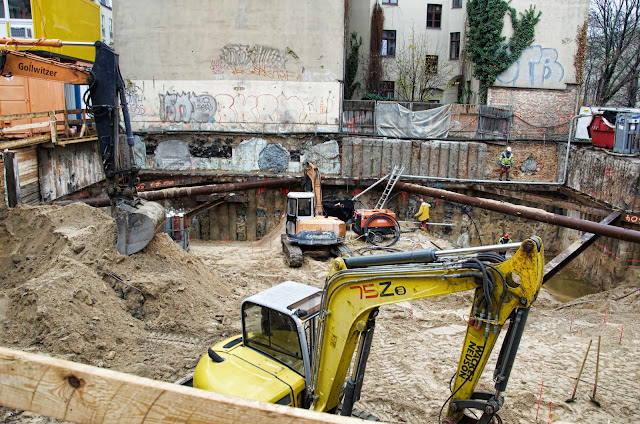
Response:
column 17, row 13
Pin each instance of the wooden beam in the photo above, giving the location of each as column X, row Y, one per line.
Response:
column 81, row 393
column 17, row 116
column 63, row 142
column 25, row 142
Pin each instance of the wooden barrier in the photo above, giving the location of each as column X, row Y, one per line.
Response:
column 85, row 394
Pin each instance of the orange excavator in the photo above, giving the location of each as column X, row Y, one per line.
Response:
column 137, row 221
column 307, row 228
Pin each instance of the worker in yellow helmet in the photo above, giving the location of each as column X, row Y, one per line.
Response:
column 423, row 214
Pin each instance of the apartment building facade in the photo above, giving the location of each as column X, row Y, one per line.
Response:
column 440, row 25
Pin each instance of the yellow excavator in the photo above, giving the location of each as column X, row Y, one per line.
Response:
column 298, row 341
column 137, row 221
column 307, row 229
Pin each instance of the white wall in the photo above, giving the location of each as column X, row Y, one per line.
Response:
column 548, row 63
column 244, row 65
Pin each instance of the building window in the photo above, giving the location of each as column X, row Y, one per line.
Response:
column 20, row 9
column 111, row 28
column 387, row 89
column 388, row 43
column 456, row 4
column 392, row 2
column 434, row 15
column 454, row 46
column 102, row 24
column 431, row 64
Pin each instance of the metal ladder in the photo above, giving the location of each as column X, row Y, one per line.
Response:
column 393, row 179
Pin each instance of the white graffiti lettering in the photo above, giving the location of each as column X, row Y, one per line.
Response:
column 187, row 107
column 536, row 67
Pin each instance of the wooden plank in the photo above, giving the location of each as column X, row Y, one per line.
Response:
column 24, row 127
column 233, row 224
column 434, row 159
column 25, row 142
column 214, row 224
column 356, row 171
column 250, row 215
column 16, row 116
column 415, row 159
column 269, row 200
column 11, row 178
column 82, row 393
column 223, row 220
column 452, row 171
column 347, row 157
column 425, row 155
column 64, row 142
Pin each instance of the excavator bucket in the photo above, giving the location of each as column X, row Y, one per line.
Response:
column 137, row 225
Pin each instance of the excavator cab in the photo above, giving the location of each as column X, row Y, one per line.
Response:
column 274, row 354
column 303, row 227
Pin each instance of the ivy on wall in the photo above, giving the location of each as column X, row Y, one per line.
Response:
column 375, row 48
column 485, row 44
column 350, row 83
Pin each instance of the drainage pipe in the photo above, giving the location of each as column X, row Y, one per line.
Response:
column 526, row 212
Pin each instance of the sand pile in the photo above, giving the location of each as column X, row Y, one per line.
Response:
column 68, row 293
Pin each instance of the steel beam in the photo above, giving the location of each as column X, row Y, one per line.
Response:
column 577, row 247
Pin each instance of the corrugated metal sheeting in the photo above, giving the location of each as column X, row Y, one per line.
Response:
column 373, row 158
column 68, row 169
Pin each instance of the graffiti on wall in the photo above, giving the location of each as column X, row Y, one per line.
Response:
column 226, row 108
column 187, row 107
column 536, row 67
column 135, row 100
column 264, row 61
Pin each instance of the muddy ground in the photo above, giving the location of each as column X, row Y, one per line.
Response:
column 68, row 294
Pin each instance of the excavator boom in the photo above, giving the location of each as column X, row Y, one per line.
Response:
column 137, row 221
column 322, row 334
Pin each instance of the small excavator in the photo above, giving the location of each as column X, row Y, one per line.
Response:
column 298, row 342
column 137, row 221
column 307, row 228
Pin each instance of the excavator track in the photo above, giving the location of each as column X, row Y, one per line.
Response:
column 292, row 252
column 340, row 250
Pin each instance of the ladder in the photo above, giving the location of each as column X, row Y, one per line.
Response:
column 393, row 179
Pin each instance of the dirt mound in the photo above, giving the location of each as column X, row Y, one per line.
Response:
column 67, row 292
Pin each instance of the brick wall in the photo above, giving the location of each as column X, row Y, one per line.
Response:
column 539, row 114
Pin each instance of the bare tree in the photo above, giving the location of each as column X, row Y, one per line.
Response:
column 418, row 72
column 612, row 66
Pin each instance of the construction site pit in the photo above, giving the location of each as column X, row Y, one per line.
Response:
column 66, row 293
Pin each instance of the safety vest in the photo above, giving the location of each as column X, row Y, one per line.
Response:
column 506, row 160
column 504, row 241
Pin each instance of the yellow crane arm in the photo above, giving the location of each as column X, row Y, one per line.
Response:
column 352, row 296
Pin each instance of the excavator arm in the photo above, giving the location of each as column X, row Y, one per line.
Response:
column 137, row 221
column 313, row 184
column 356, row 287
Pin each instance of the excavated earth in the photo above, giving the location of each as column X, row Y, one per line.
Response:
column 66, row 293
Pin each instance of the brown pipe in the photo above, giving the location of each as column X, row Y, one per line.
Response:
column 175, row 192
column 526, row 212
